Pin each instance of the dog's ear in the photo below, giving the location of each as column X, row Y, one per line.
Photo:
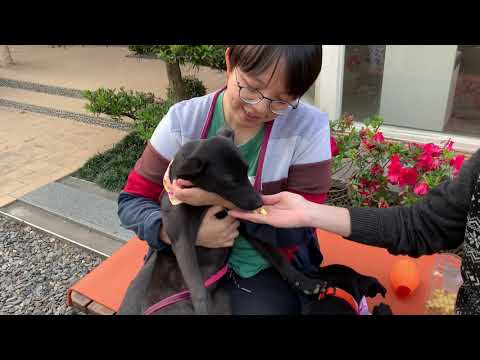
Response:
column 370, row 286
column 190, row 168
column 227, row 132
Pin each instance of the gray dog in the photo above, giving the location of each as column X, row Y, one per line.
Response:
column 215, row 165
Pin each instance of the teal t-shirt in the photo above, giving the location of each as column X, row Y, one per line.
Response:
column 244, row 259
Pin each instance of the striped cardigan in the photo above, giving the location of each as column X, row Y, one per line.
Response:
column 295, row 156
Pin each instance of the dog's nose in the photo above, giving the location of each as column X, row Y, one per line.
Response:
column 255, row 203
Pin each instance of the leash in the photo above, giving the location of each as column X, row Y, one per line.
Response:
column 185, row 294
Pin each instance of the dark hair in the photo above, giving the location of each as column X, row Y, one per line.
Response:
column 303, row 63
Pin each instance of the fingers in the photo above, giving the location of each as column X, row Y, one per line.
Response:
column 233, row 226
column 247, row 215
column 214, row 210
column 182, row 182
column 271, row 199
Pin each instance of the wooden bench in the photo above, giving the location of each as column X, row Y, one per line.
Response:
column 101, row 291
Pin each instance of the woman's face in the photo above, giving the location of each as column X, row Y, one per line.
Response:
column 253, row 116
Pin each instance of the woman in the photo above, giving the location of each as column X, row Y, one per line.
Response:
column 287, row 146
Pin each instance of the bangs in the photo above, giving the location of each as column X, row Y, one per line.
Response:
column 302, row 63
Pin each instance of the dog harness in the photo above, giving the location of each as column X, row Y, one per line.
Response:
column 342, row 294
column 185, row 294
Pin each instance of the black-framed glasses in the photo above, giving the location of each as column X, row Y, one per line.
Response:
column 252, row 97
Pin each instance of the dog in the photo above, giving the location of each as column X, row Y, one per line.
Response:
column 346, row 288
column 215, row 165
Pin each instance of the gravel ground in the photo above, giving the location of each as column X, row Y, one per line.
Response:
column 36, row 269
column 46, row 89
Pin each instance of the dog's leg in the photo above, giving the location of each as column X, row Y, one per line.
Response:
column 184, row 249
column 295, row 278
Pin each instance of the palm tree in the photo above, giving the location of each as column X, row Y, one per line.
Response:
column 5, row 57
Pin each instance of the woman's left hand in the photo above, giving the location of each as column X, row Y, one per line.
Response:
column 197, row 197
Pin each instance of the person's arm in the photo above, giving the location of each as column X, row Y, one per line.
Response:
column 437, row 222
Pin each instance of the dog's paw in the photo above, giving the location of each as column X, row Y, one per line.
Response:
column 382, row 309
column 308, row 286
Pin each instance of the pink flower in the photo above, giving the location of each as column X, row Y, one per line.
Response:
column 421, row 189
column 378, row 137
column 457, row 163
column 449, row 145
column 432, row 149
column 408, row 176
column 393, row 174
column 333, row 146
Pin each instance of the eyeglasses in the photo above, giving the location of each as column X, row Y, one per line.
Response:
column 252, row 97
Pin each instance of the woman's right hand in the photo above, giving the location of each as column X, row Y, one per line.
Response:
column 213, row 232
column 217, row 233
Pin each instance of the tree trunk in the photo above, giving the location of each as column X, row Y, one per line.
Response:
column 175, row 81
column 5, row 57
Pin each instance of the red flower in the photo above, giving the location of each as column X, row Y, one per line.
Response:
column 408, row 176
column 333, row 146
column 425, row 162
column 378, row 138
column 367, row 145
column 377, row 170
column 393, row 174
column 432, row 149
column 421, row 189
column 457, row 163
column 383, row 204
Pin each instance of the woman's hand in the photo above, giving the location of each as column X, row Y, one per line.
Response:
column 284, row 210
column 217, row 233
column 197, row 197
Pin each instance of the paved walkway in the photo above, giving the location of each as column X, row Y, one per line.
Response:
column 42, row 136
column 91, row 67
column 37, row 149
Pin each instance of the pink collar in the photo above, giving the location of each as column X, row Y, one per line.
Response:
column 185, row 294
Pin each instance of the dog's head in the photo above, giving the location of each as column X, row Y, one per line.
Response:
column 356, row 284
column 216, row 165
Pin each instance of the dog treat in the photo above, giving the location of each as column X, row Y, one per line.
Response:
column 441, row 302
column 261, row 211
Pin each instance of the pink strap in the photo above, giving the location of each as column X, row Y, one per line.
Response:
column 208, row 120
column 185, row 294
column 263, row 150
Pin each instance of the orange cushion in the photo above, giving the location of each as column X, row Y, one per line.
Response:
column 108, row 283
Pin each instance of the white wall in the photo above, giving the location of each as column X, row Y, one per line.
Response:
column 328, row 87
column 416, row 85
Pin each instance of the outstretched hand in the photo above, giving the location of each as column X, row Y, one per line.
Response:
column 284, row 210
